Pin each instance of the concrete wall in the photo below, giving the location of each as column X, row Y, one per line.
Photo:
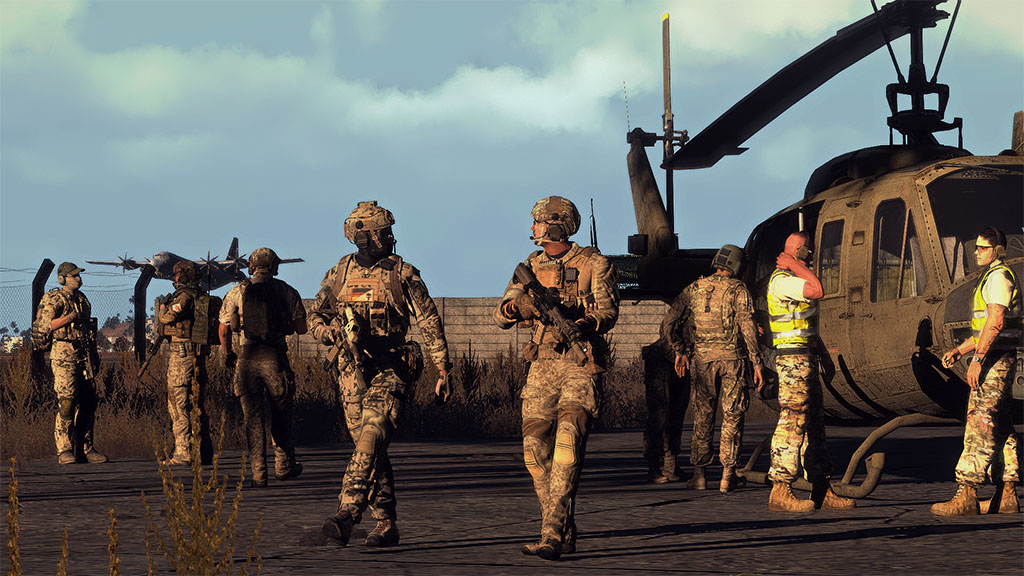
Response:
column 468, row 325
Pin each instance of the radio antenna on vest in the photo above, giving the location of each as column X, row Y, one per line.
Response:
column 593, row 225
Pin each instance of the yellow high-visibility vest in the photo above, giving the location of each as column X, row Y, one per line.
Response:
column 1009, row 336
column 793, row 323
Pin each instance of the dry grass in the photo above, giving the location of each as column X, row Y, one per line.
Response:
column 484, row 404
column 13, row 528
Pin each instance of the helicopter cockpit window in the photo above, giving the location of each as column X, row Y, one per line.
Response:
column 898, row 266
column 829, row 252
column 966, row 202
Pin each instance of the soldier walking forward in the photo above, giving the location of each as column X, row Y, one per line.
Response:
column 65, row 319
column 186, row 364
column 264, row 310
column 712, row 322
column 561, row 398
column 363, row 310
column 996, row 327
column 799, row 439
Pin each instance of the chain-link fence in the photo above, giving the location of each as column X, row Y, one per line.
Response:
column 110, row 294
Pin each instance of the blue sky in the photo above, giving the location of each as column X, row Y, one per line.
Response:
column 148, row 126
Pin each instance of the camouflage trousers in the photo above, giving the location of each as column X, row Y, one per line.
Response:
column 667, row 396
column 185, row 366
column 725, row 378
column 76, row 399
column 990, row 444
column 560, row 401
column 264, row 377
column 372, row 416
column 799, row 439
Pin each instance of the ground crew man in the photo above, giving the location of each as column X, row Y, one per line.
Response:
column 799, row 439
column 65, row 318
column 561, row 398
column 712, row 322
column 264, row 310
column 667, row 396
column 185, row 365
column 362, row 311
column 996, row 327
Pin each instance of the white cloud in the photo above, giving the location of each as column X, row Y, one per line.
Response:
column 152, row 155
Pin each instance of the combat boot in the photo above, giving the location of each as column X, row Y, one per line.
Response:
column 782, row 500
column 833, row 501
column 178, row 460
column 730, row 481
column 548, row 549
column 292, row 472
column 668, row 469
column 94, row 457
column 66, row 457
column 698, row 482
column 569, row 542
column 338, row 528
column 384, row 534
column 963, row 503
column 1005, row 500
column 655, row 475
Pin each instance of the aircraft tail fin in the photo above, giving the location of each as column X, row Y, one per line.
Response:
column 233, row 250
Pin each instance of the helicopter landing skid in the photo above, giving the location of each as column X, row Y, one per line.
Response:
column 873, row 464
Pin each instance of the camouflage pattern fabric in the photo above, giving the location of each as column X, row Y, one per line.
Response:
column 667, row 397
column 713, row 319
column 76, row 398
column 725, row 378
column 266, row 373
column 400, row 294
column 187, row 366
column 799, row 439
column 232, row 305
column 384, row 297
column 990, row 443
column 560, row 401
column 372, row 416
column 69, row 358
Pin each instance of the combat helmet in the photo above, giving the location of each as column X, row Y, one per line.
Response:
column 728, row 257
column 186, row 272
column 561, row 216
column 264, row 258
column 367, row 217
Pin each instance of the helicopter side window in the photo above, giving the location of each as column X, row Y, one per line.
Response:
column 898, row 272
column 829, row 253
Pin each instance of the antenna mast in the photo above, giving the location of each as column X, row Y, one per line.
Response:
column 668, row 125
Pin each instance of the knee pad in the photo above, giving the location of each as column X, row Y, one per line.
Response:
column 367, row 439
column 573, row 424
column 66, row 408
column 533, row 465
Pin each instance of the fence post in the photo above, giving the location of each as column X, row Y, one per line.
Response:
column 38, row 286
column 141, row 285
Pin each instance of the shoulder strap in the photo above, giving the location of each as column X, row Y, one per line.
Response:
column 395, row 291
column 342, row 274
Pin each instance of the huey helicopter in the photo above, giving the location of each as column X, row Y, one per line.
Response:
column 213, row 273
column 894, row 228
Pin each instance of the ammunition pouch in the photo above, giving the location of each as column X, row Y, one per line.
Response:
column 411, row 361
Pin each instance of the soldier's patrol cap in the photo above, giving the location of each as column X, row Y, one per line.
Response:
column 69, row 269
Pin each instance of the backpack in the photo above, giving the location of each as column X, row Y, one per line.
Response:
column 262, row 312
column 205, row 322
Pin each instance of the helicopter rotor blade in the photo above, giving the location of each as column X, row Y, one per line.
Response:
column 788, row 86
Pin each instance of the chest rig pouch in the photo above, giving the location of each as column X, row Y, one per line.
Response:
column 375, row 295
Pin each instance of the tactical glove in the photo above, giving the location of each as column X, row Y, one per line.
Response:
column 587, row 325
column 324, row 334
column 230, row 359
column 524, row 307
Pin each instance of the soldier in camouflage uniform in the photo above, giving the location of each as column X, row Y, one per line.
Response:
column 363, row 311
column 264, row 310
column 185, row 366
column 64, row 316
column 667, row 396
column 712, row 321
column 996, row 338
column 799, row 439
column 561, row 398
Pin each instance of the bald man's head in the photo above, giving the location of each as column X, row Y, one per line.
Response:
column 794, row 242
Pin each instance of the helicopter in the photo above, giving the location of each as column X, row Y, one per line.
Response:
column 893, row 227
column 213, row 273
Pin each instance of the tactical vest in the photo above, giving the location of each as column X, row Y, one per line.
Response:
column 793, row 323
column 265, row 311
column 713, row 319
column 375, row 295
column 1009, row 336
column 182, row 327
column 571, row 276
column 43, row 336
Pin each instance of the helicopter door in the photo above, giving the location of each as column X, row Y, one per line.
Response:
column 883, row 325
column 833, row 306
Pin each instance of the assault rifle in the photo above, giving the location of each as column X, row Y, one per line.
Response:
column 547, row 308
column 346, row 333
column 151, row 351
